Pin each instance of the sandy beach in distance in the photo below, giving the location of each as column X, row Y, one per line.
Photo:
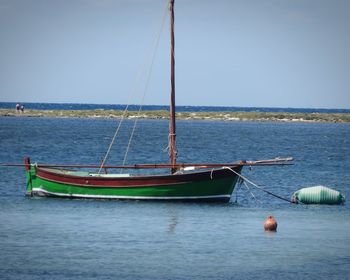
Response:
column 163, row 114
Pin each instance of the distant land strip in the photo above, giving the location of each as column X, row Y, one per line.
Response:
column 163, row 114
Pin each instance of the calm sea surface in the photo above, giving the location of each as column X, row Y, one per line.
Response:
column 78, row 106
column 50, row 238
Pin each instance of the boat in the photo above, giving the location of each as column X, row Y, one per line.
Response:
column 181, row 182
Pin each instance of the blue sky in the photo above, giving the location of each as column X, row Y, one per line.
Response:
column 262, row 53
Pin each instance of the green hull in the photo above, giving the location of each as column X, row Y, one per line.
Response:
column 216, row 185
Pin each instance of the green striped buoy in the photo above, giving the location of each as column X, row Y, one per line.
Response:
column 318, row 195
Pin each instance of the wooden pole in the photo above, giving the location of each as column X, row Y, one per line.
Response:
column 278, row 161
column 172, row 122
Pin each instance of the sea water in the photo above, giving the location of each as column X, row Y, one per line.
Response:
column 47, row 238
column 131, row 107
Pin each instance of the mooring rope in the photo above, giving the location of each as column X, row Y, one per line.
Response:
column 247, row 187
column 256, row 186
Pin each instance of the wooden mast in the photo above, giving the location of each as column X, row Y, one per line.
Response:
column 172, row 124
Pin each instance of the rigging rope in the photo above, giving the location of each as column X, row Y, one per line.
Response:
column 113, row 139
column 156, row 44
column 141, row 69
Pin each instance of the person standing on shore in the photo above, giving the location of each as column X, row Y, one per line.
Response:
column 17, row 108
column 22, row 109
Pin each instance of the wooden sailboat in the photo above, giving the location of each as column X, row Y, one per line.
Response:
column 188, row 182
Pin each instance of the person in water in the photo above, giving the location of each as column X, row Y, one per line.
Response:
column 22, row 108
column 17, row 108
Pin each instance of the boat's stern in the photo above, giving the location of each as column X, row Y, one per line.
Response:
column 30, row 175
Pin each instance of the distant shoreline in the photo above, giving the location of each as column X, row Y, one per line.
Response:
column 179, row 108
column 163, row 114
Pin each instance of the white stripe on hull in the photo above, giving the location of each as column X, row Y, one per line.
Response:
column 47, row 193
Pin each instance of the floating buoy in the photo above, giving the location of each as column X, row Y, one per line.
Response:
column 270, row 224
column 318, row 195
